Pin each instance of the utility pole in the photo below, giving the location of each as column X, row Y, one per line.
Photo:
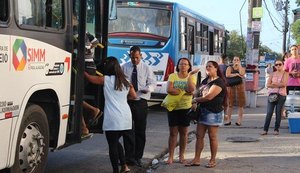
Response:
column 252, row 54
column 285, row 26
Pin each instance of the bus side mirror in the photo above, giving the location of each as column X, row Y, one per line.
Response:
column 112, row 10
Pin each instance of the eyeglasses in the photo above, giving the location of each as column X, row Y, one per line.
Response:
column 278, row 64
column 183, row 64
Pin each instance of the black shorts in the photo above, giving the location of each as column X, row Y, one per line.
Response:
column 178, row 118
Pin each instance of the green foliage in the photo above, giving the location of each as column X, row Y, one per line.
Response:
column 236, row 45
column 296, row 31
column 263, row 49
column 298, row 2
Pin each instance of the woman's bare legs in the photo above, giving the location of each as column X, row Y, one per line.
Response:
column 183, row 137
column 213, row 141
column 94, row 110
column 240, row 112
column 85, row 130
column 229, row 113
column 201, row 130
column 172, row 143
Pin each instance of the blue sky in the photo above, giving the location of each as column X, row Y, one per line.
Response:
column 227, row 12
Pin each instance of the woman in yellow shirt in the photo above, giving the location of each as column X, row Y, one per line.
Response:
column 181, row 81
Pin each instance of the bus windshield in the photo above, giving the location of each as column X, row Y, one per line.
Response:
column 142, row 20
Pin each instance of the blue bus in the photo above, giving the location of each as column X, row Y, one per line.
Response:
column 165, row 31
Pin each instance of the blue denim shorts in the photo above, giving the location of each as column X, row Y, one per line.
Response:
column 210, row 118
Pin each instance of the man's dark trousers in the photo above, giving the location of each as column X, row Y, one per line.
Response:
column 139, row 110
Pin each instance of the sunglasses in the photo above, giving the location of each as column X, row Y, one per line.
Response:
column 278, row 64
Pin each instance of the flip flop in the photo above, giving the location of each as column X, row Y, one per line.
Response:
column 125, row 171
column 86, row 136
column 264, row 133
column 211, row 165
column 238, row 124
column 192, row 164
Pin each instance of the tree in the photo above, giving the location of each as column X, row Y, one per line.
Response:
column 236, row 45
column 298, row 2
column 296, row 31
column 263, row 49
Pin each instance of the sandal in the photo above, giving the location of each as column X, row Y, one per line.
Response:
column 276, row 132
column 238, row 124
column 227, row 124
column 125, row 169
column 264, row 133
column 192, row 164
column 211, row 164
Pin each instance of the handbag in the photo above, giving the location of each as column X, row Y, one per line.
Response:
column 273, row 97
column 171, row 101
column 232, row 81
column 194, row 115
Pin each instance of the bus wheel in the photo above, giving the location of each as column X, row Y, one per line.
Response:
column 33, row 142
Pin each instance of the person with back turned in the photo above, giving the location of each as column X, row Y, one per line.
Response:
column 144, row 82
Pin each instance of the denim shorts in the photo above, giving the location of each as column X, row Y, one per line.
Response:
column 210, row 118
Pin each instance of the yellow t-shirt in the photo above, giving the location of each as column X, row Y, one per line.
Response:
column 181, row 83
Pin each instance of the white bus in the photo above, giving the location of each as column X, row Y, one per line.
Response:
column 38, row 109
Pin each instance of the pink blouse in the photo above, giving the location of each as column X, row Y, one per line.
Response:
column 277, row 78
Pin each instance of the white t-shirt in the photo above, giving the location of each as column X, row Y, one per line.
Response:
column 117, row 114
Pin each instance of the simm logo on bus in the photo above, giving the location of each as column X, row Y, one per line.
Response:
column 22, row 55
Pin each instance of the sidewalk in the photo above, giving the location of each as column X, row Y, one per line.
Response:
column 268, row 153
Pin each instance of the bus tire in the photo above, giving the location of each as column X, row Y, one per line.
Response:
column 33, row 142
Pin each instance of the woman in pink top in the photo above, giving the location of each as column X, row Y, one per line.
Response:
column 292, row 66
column 276, row 84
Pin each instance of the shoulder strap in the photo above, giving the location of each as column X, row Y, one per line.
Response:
column 281, row 81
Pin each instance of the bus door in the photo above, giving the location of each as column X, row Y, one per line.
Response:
column 94, row 22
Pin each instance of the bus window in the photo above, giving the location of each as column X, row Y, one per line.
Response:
column 143, row 20
column 198, row 37
column 216, row 41
column 31, row 12
column 3, row 10
column 204, row 40
column 112, row 13
column 183, row 35
column 221, row 44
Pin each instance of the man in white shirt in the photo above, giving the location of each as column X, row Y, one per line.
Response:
column 144, row 84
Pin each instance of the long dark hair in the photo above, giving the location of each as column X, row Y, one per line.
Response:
column 112, row 67
column 220, row 74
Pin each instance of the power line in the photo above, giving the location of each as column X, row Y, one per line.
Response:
column 271, row 16
column 241, row 18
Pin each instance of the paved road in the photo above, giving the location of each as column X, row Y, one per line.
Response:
column 270, row 153
column 91, row 156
